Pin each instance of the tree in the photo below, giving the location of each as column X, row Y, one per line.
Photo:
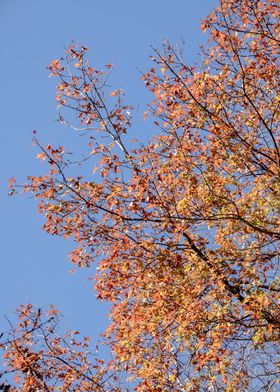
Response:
column 185, row 228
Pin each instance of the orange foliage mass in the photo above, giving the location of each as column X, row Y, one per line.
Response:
column 185, row 229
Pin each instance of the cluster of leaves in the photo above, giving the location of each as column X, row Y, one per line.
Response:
column 42, row 360
column 186, row 227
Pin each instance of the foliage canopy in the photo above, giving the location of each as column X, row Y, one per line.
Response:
column 185, row 228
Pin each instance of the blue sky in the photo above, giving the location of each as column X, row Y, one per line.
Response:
column 34, row 265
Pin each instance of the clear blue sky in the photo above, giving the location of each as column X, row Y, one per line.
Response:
column 34, row 266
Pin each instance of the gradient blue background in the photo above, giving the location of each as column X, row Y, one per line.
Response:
column 34, row 266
